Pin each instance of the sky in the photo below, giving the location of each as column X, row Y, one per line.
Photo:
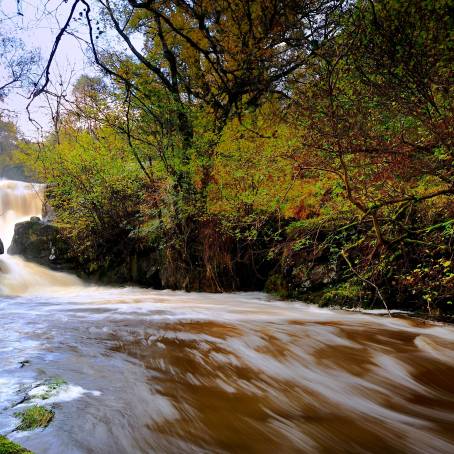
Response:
column 37, row 27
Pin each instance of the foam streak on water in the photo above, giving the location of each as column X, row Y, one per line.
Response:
column 172, row 372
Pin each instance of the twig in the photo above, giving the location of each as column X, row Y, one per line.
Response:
column 366, row 281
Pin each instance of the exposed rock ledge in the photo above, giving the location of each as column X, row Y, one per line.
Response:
column 41, row 243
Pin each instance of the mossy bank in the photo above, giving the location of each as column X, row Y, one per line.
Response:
column 9, row 447
column 330, row 261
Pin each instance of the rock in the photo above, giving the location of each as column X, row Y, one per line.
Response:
column 48, row 212
column 2, row 248
column 35, row 417
column 41, row 243
column 302, row 274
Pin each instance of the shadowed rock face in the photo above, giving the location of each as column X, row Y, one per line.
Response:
column 40, row 243
column 2, row 248
column 44, row 244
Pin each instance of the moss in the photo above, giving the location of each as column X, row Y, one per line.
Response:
column 51, row 388
column 348, row 293
column 276, row 285
column 34, row 417
column 8, row 447
column 55, row 383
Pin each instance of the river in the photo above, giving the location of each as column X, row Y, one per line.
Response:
column 171, row 372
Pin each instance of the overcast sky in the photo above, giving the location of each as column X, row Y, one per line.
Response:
column 37, row 28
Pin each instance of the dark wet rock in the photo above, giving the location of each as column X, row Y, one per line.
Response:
column 2, row 248
column 41, row 243
column 301, row 276
column 210, row 261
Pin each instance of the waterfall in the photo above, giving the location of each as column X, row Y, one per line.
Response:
column 18, row 202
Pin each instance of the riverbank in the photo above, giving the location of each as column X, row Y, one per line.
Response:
column 331, row 266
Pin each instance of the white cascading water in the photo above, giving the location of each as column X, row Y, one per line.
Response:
column 18, row 202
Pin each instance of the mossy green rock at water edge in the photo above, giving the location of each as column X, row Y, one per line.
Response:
column 34, row 418
column 8, row 447
column 48, row 389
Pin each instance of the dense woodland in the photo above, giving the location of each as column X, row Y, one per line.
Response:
column 304, row 147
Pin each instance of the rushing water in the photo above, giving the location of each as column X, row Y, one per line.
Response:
column 18, row 202
column 172, row 372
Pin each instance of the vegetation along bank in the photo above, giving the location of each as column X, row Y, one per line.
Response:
column 304, row 148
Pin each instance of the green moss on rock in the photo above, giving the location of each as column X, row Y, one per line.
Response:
column 34, row 418
column 9, row 447
column 49, row 389
column 277, row 285
column 347, row 294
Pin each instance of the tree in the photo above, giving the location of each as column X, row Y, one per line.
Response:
column 221, row 56
column 8, row 138
column 16, row 64
column 377, row 105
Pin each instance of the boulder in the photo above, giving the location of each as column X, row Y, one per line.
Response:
column 48, row 212
column 41, row 243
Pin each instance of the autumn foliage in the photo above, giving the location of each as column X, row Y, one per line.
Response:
column 307, row 142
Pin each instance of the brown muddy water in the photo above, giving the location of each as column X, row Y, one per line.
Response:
column 170, row 372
